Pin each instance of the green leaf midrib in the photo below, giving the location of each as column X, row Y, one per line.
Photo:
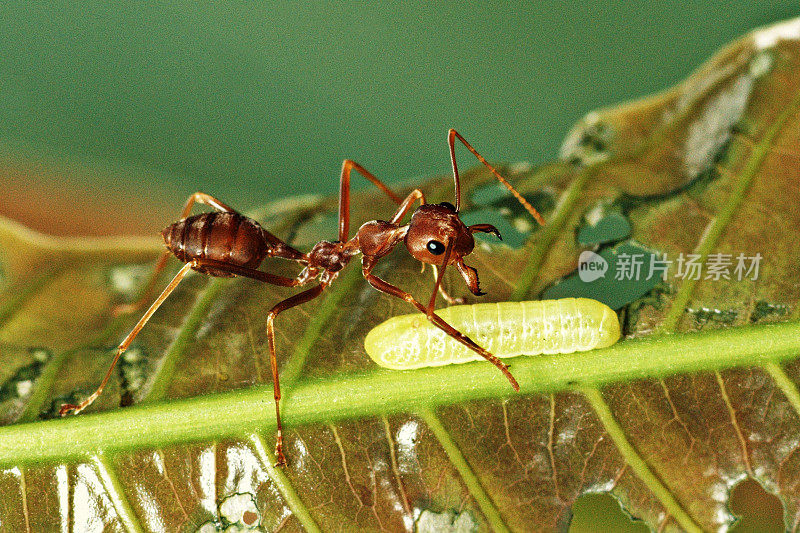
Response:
column 210, row 417
column 549, row 233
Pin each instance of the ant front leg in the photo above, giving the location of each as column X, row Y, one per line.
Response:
column 457, row 300
column 344, row 194
column 436, row 320
column 439, row 276
column 198, row 197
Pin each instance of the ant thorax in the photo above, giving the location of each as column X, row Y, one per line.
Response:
column 329, row 256
column 377, row 238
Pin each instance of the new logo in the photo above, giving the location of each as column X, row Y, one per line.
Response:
column 591, row 266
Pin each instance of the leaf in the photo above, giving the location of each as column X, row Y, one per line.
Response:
column 700, row 394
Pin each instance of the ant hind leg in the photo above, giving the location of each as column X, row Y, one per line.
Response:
column 77, row 408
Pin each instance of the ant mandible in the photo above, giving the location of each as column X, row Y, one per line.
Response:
column 226, row 243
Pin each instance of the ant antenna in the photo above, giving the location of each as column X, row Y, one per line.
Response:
column 451, row 139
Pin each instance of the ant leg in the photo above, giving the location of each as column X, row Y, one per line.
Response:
column 206, row 199
column 437, row 321
column 344, row 195
column 439, row 276
column 198, row 197
column 67, row 408
column 447, row 298
column 251, row 273
column 288, row 303
column 405, row 205
column 451, row 139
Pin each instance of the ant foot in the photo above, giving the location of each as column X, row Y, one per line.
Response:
column 279, row 450
column 281, row 458
column 67, row 408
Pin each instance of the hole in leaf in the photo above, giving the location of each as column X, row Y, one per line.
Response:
column 588, row 142
column 603, row 225
column 21, row 384
column 493, row 204
column 758, row 511
column 445, row 522
column 766, row 310
column 705, row 315
column 602, row 512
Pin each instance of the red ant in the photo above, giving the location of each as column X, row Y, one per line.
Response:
column 228, row 244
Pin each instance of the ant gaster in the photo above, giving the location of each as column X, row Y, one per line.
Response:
column 226, row 243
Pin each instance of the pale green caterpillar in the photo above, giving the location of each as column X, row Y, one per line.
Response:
column 506, row 329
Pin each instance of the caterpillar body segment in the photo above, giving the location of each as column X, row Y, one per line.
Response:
column 506, row 329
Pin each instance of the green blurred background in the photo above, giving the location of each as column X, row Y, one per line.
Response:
column 108, row 103
column 254, row 101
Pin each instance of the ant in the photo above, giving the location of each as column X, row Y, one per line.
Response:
column 225, row 243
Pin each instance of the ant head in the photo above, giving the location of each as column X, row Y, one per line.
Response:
column 434, row 227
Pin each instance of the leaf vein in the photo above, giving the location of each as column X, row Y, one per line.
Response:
column 549, row 233
column 735, row 423
column 716, row 227
column 471, row 480
column 296, row 504
column 116, row 493
column 637, row 463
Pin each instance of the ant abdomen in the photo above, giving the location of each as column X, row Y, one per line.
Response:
column 227, row 237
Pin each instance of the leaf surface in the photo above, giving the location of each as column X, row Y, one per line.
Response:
column 700, row 394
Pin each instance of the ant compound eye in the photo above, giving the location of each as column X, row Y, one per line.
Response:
column 435, row 247
column 449, row 206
